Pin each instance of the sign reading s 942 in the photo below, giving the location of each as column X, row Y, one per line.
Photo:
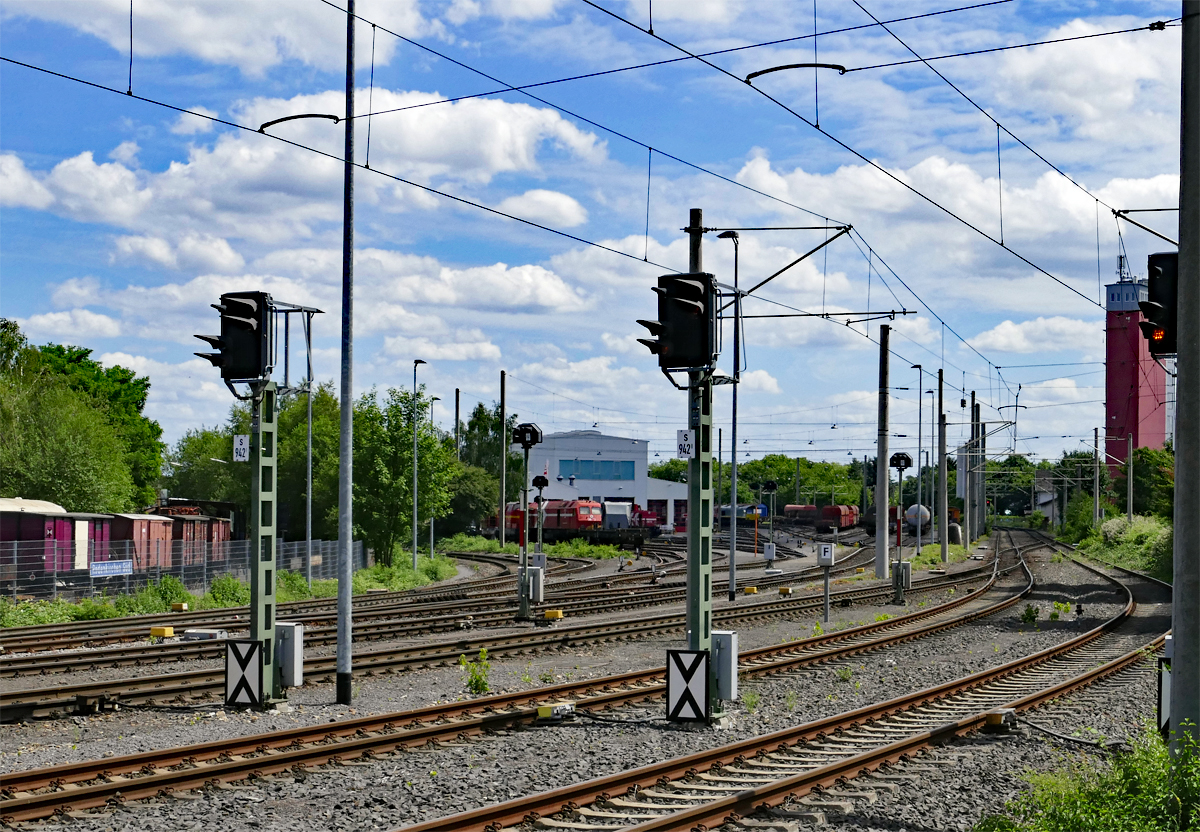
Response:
column 241, row 447
column 686, row 441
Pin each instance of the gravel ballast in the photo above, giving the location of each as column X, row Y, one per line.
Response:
column 414, row 786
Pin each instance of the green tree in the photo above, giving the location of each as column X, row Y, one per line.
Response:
column 674, row 470
column 1153, row 482
column 474, row 494
column 483, row 440
column 59, row 446
column 293, row 462
column 383, row 466
column 122, row 394
column 201, row 467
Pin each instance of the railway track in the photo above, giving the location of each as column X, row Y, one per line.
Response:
column 190, row 686
column 72, row 787
column 775, row 772
column 389, row 621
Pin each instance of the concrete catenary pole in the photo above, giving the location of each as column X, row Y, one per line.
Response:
column 737, row 375
column 504, row 440
column 881, row 460
column 308, row 456
column 1185, row 684
column 1095, row 476
column 1129, row 474
column 416, row 415
column 920, row 477
column 346, row 440
column 457, row 423
column 943, row 497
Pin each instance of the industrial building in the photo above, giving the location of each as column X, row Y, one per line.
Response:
column 590, row 465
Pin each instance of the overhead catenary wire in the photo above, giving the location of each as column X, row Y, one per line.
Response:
column 863, row 157
column 300, row 145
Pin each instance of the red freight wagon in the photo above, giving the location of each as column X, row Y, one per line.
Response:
column 143, row 538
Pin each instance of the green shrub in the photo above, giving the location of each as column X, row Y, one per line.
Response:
column 1146, row 544
column 90, row 609
column 1135, row 790
column 477, row 672
column 291, row 586
column 227, row 591
column 27, row 613
column 1030, row 614
column 172, row 591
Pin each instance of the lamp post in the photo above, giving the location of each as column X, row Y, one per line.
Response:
column 737, row 371
column 415, row 411
column 431, row 401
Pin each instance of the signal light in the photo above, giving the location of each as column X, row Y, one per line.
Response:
column 243, row 347
column 1159, row 328
column 685, row 334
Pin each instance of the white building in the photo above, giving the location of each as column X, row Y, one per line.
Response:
column 588, row 465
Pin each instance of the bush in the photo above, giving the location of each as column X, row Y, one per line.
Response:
column 226, row 591
column 292, row 586
column 1146, row 545
column 477, row 672
column 1135, row 790
column 89, row 609
column 26, row 613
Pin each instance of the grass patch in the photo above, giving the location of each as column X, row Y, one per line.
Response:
column 225, row 591
column 1134, row 790
column 577, row 548
column 931, row 555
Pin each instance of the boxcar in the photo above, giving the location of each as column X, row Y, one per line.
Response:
column 143, row 538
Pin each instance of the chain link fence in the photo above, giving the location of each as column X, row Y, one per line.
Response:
column 50, row 569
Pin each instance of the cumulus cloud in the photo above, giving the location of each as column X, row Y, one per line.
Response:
column 549, row 207
column 190, row 125
column 251, row 35
column 467, row 345
column 759, row 381
column 1041, row 335
column 73, row 327
column 76, row 291
column 125, row 153
column 624, row 344
column 19, row 188
column 183, row 395
column 193, row 252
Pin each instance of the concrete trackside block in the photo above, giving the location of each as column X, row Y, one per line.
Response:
column 751, row 590
column 554, row 615
column 162, row 632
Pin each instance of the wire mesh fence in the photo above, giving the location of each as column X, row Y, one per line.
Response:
column 51, row 569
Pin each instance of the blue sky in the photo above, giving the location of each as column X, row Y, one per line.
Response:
column 121, row 221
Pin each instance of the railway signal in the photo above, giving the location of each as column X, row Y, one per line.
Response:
column 686, row 329
column 1159, row 328
column 526, row 435
column 243, row 347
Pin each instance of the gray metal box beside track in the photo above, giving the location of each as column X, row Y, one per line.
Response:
column 725, row 663
column 289, row 647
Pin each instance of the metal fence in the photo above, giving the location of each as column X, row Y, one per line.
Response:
column 49, row 569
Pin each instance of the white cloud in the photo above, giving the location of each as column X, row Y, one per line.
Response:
column 182, row 396
column 469, row 345
column 19, row 188
column 624, row 344
column 252, row 35
column 76, row 291
column 74, row 326
column 759, row 381
column 1042, row 335
column 125, row 153
column 190, row 125
column 150, row 250
column 193, row 252
column 108, row 192
column 548, row 207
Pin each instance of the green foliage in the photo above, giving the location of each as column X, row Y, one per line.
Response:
column 59, row 446
column 673, row 470
column 580, row 548
column 1038, row 520
column 1142, row 789
column 291, row 586
column 1030, row 614
column 121, row 395
column 474, row 495
column 227, row 591
column 751, row 699
column 26, row 613
column 400, row 575
column 883, row 616
column 1153, row 482
column 1146, row 545
column 1062, row 607
column 477, row 672
column 383, row 469
column 844, row 674
column 475, row 543
column 818, row 481
column 482, row 443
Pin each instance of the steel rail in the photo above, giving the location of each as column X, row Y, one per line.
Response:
column 568, row 799
column 190, row 685
column 38, row 793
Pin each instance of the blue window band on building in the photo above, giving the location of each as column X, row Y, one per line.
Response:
column 596, row 469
